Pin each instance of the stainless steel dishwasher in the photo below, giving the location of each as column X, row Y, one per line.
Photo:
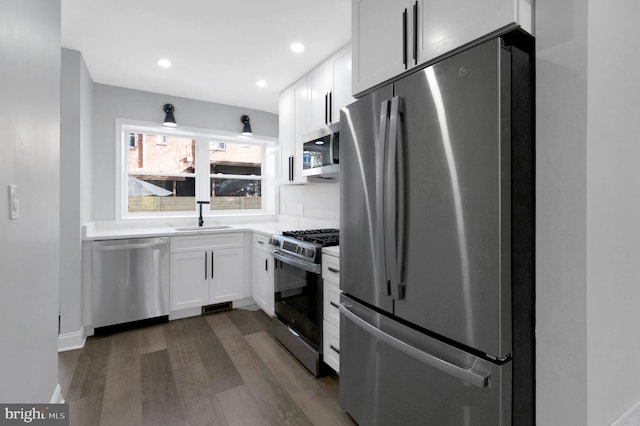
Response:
column 130, row 280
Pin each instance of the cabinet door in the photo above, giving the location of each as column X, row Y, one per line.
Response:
column 331, row 346
column 320, row 80
column 260, row 280
column 285, row 124
column 377, row 38
column 300, row 92
column 341, row 94
column 444, row 26
column 227, row 275
column 189, row 281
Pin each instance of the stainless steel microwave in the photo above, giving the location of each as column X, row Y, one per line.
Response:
column 321, row 152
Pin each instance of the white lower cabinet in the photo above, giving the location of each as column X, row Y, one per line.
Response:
column 262, row 278
column 331, row 311
column 206, row 269
column 331, row 346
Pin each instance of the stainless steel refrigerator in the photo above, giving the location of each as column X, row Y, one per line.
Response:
column 437, row 234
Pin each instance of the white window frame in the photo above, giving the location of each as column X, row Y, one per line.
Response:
column 203, row 136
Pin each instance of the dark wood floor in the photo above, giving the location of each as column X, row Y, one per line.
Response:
column 219, row 369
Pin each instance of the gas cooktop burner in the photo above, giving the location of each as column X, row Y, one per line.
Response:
column 324, row 237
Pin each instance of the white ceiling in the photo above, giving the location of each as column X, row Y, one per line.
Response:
column 219, row 48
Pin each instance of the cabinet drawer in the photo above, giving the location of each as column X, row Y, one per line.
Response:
column 331, row 346
column 261, row 242
column 331, row 267
column 206, row 242
column 331, row 295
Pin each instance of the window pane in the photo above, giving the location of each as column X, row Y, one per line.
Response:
column 161, row 154
column 161, row 193
column 235, row 194
column 235, row 158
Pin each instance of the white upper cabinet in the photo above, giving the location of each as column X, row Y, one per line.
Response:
column 312, row 102
column 330, row 89
column 293, row 123
column 341, row 94
column 320, row 87
column 391, row 37
column 378, row 29
column 300, row 92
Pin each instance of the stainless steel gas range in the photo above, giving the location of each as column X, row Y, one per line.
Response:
column 298, row 292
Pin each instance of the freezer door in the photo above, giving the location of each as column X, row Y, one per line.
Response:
column 393, row 375
column 362, row 159
column 454, row 157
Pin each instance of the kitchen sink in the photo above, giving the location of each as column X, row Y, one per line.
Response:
column 201, row 228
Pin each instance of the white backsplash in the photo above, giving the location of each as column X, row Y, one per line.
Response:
column 311, row 205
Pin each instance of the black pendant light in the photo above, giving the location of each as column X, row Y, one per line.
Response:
column 169, row 119
column 246, row 129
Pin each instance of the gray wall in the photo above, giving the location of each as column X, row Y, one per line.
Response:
column 29, row 258
column 115, row 102
column 75, row 189
column 588, row 186
column 613, row 205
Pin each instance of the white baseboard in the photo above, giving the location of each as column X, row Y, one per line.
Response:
column 57, row 398
column 71, row 341
column 185, row 313
column 247, row 301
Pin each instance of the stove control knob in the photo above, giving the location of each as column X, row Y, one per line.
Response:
column 309, row 253
column 274, row 242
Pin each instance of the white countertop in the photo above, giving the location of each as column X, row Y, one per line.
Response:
column 333, row 251
column 111, row 230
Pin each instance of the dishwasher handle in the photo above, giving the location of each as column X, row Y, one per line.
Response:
column 159, row 243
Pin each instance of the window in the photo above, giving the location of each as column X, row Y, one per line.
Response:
column 164, row 172
column 235, row 179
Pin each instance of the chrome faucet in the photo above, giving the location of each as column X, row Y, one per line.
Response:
column 200, row 219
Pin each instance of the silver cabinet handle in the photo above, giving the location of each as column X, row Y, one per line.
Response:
column 334, row 270
column 334, row 305
column 205, row 265
column 469, row 376
column 212, row 265
column 415, row 33
column 404, row 39
column 336, row 350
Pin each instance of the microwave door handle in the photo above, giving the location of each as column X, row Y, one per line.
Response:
column 331, row 157
column 381, row 193
column 394, row 205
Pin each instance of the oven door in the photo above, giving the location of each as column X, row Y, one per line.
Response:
column 298, row 297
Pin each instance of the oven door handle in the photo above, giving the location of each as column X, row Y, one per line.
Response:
column 307, row 266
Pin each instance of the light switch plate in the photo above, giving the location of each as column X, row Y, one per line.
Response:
column 300, row 210
column 14, row 202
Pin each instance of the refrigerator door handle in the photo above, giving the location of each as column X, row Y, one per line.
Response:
column 394, row 205
column 381, row 164
column 468, row 375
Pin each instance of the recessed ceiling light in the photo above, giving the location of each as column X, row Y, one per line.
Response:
column 297, row 47
column 261, row 83
column 164, row 63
